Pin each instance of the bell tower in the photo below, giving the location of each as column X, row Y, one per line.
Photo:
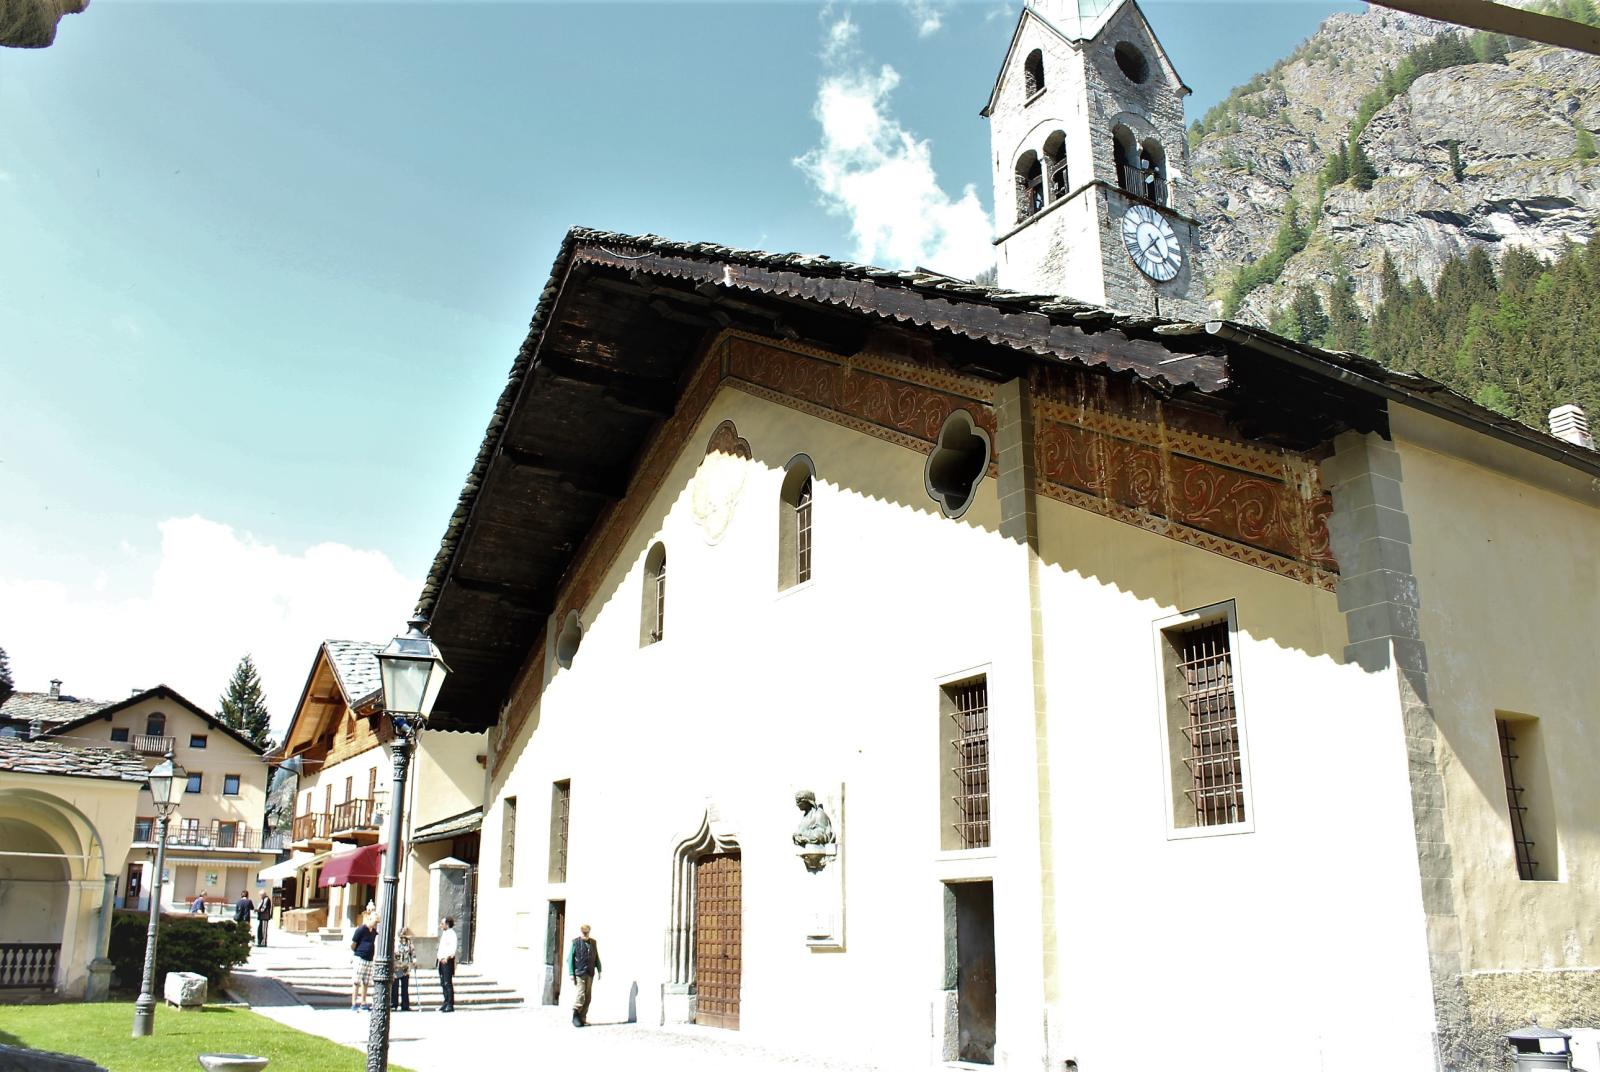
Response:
column 1087, row 132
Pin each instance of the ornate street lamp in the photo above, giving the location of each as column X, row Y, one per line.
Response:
column 167, row 783
column 413, row 673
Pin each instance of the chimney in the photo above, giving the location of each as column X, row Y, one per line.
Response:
column 55, row 687
column 1568, row 422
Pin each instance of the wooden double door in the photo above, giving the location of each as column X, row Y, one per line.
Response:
column 718, row 914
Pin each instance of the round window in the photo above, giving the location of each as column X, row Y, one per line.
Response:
column 1132, row 62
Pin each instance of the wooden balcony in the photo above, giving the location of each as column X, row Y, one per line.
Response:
column 311, row 831
column 146, row 745
column 355, row 821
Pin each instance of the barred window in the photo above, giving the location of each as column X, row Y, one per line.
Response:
column 1205, row 740
column 794, row 523
column 965, row 778
column 653, row 612
column 560, row 820
column 508, row 841
column 1528, row 799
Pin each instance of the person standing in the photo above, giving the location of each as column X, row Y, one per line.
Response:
column 449, row 945
column 405, row 958
column 363, row 943
column 583, row 964
column 263, row 917
column 242, row 908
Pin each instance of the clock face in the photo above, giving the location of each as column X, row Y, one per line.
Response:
column 1151, row 243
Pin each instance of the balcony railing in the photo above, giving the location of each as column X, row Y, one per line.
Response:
column 28, row 965
column 312, row 826
column 354, row 815
column 146, row 745
column 226, row 838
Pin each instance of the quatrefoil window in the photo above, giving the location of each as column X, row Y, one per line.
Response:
column 568, row 640
column 960, row 458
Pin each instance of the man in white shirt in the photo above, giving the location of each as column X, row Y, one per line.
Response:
column 448, row 945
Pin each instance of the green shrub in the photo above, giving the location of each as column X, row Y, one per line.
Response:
column 186, row 943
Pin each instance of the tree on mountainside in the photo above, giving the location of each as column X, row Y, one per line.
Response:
column 7, row 686
column 244, row 706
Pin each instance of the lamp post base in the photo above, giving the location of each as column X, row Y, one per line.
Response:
column 144, row 1016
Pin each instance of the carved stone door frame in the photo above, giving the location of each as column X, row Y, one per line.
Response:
column 711, row 838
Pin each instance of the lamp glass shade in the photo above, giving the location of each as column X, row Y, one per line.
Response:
column 167, row 780
column 413, row 672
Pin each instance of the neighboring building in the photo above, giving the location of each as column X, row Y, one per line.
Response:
column 340, row 739
column 30, row 714
column 1089, row 155
column 1153, row 676
column 215, row 844
column 64, row 837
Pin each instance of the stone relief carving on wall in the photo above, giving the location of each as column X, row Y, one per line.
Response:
column 719, row 481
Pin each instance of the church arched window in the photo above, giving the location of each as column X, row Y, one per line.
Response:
column 1055, row 166
column 1030, row 185
column 653, row 614
column 1125, row 154
column 1153, row 171
column 794, row 523
column 1033, row 73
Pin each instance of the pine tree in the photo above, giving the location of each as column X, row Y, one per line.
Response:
column 7, row 686
column 244, row 706
column 1306, row 316
column 1337, row 169
column 1346, row 328
column 1362, row 173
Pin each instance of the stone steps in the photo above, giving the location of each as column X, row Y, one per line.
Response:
column 329, row 987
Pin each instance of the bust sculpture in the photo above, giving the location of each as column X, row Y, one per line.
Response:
column 815, row 827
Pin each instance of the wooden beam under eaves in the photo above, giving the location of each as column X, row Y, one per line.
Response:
column 1505, row 19
column 581, row 482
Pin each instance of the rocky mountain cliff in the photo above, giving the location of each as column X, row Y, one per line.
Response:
column 1482, row 154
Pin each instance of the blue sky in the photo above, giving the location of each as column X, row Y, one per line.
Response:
column 264, row 266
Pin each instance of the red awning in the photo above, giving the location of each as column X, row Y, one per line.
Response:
column 363, row 865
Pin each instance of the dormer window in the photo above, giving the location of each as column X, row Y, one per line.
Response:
column 1055, row 165
column 1033, row 74
column 1030, row 186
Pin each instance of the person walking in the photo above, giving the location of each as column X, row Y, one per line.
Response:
column 242, row 908
column 263, row 917
column 363, row 943
column 449, row 946
column 405, row 958
column 583, row 964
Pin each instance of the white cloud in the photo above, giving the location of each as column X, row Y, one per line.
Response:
column 872, row 170
column 927, row 14
column 214, row 596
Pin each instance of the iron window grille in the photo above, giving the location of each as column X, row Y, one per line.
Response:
column 508, row 842
column 560, row 811
column 659, row 629
column 1215, row 766
column 802, row 542
column 970, row 742
column 1527, row 865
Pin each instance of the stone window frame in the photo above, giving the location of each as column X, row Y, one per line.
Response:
column 1169, row 709
column 712, row 838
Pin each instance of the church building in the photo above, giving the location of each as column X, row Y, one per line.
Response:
column 1047, row 678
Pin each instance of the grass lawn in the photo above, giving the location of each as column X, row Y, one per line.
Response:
column 101, row 1033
